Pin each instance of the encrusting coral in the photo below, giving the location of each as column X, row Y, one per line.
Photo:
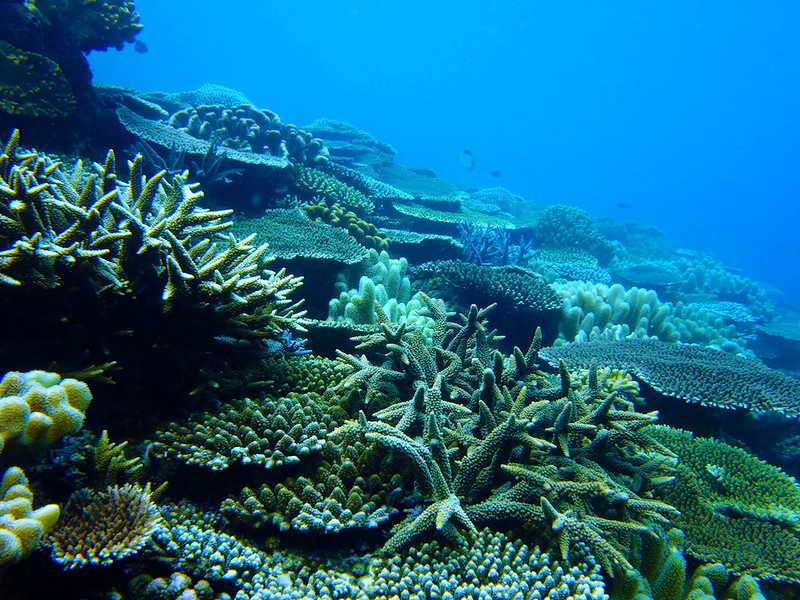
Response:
column 99, row 528
column 692, row 373
column 22, row 528
column 38, row 408
column 734, row 508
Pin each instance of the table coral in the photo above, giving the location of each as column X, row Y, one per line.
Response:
column 692, row 373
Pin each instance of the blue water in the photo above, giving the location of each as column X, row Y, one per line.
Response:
column 687, row 112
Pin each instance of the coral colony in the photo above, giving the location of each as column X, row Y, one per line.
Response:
column 366, row 384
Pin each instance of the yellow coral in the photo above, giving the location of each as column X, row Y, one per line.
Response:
column 39, row 408
column 21, row 527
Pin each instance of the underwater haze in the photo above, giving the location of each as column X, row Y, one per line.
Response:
column 399, row 300
column 685, row 114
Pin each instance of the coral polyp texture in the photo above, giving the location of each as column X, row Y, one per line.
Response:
column 38, row 408
column 734, row 508
column 268, row 433
column 99, row 528
column 689, row 372
column 22, row 528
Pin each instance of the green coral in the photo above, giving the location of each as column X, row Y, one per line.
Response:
column 85, row 222
column 383, row 295
column 568, row 227
column 22, row 528
column 490, row 439
column 270, row 432
column 348, row 490
column 692, row 373
column 735, row 508
column 318, row 183
column 38, row 408
column 291, row 234
column 598, row 311
column 32, row 85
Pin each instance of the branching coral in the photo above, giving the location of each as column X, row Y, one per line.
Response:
column 598, row 311
column 248, row 129
column 21, row 527
column 127, row 237
column 690, row 372
column 348, row 490
column 38, row 408
column 99, row 528
column 268, row 432
column 735, row 508
column 490, row 439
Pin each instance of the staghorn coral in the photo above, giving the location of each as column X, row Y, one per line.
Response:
column 291, row 234
column 32, row 85
column 270, row 432
column 348, row 490
column 521, row 296
column 598, row 311
column 21, row 528
column 38, row 408
column 125, row 236
column 317, row 183
column 735, row 508
column 692, row 373
column 99, row 528
column 486, row 447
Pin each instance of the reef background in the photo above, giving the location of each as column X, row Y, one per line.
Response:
column 684, row 113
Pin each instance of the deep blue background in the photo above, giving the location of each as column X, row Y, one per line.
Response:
column 686, row 111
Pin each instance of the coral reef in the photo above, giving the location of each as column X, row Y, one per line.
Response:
column 383, row 296
column 692, row 373
column 38, row 408
column 735, row 508
column 267, row 432
column 291, row 234
column 348, row 490
column 337, row 215
column 567, row 227
column 22, row 528
column 316, row 183
column 568, row 264
column 32, row 85
column 99, row 528
column 598, row 311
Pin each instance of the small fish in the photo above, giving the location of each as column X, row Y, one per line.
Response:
column 496, row 173
column 623, row 205
column 467, row 159
column 140, row 47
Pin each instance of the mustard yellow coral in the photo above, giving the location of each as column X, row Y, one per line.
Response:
column 38, row 408
column 21, row 527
